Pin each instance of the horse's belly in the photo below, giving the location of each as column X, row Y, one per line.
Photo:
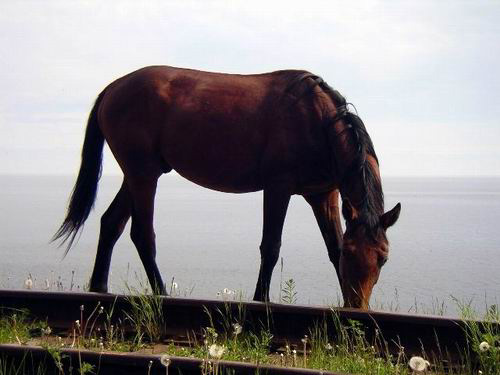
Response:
column 224, row 185
column 226, row 160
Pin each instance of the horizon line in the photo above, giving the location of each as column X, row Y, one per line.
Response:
column 178, row 175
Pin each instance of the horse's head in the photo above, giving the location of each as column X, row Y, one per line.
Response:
column 365, row 250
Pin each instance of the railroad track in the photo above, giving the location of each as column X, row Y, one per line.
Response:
column 287, row 323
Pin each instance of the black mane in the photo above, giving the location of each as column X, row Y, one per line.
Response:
column 372, row 205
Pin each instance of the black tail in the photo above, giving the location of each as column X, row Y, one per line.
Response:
column 85, row 190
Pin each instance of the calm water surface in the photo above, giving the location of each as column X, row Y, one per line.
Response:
column 446, row 242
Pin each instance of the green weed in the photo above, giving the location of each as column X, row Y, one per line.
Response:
column 483, row 339
column 146, row 317
column 288, row 293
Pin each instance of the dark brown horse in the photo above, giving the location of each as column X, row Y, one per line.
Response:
column 285, row 133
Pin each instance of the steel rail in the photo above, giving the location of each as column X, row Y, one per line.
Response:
column 131, row 364
column 287, row 323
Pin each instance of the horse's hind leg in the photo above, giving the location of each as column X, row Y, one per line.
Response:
column 143, row 191
column 113, row 222
column 275, row 207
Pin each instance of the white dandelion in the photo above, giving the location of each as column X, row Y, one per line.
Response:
column 216, row 351
column 484, row 346
column 28, row 283
column 165, row 360
column 418, row 364
column 237, row 329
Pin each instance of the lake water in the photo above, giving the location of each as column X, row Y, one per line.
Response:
column 446, row 243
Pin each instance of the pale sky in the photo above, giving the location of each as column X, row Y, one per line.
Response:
column 424, row 75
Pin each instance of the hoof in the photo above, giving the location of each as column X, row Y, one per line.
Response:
column 98, row 289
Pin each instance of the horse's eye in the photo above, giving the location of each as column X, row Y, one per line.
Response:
column 381, row 261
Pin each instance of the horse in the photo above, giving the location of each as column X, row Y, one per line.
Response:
column 284, row 133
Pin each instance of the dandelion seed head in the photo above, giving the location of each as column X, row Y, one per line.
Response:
column 237, row 329
column 216, row 351
column 165, row 360
column 484, row 346
column 417, row 364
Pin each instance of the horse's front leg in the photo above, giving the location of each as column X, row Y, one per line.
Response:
column 326, row 210
column 275, row 207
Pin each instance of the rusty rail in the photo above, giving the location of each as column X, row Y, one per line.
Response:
column 131, row 364
column 287, row 323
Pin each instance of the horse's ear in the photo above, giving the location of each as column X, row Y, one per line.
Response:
column 348, row 210
column 390, row 217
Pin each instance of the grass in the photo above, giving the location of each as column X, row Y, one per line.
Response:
column 9, row 366
column 15, row 327
column 146, row 317
column 483, row 339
